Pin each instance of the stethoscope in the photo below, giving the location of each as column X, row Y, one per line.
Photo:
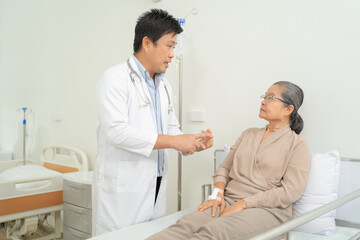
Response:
column 145, row 101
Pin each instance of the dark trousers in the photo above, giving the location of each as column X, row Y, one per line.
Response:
column 158, row 182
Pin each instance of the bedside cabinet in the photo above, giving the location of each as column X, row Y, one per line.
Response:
column 77, row 205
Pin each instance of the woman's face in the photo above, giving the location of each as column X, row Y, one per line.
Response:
column 272, row 109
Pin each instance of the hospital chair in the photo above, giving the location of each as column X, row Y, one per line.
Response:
column 31, row 195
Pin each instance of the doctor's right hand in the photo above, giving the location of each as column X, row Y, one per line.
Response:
column 188, row 143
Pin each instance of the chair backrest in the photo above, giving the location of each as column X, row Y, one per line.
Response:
column 64, row 159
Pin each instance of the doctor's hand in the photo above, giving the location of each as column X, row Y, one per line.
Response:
column 207, row 141
column 188, row 143
column 236, row 207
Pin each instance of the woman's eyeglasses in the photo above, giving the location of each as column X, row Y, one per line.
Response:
column 270, row 98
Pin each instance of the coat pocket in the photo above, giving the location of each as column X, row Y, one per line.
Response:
column 132, row 176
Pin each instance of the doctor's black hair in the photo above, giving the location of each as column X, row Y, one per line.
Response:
column 154, row 24
column 294, row 95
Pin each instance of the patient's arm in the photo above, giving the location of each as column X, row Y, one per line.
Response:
column 220, row 185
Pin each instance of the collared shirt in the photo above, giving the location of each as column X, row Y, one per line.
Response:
column 155, row 97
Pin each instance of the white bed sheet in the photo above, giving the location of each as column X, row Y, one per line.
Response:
column 27, row 180
column 26, row 173
column 143, row 230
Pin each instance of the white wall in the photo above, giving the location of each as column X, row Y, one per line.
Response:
column 238, row 49
column 53, row 52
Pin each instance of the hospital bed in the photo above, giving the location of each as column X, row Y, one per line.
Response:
column 345, row 229
column 31, row 193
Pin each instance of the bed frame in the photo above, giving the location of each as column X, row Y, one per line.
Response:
column 27, row 200
column 23, row 208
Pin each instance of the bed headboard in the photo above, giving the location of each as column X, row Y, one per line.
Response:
column 64, row 159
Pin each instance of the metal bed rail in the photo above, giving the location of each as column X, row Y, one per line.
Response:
column 286, row 227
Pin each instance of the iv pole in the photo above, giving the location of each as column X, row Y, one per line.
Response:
column 180, row 61
column 194, row 11
column 24, row 135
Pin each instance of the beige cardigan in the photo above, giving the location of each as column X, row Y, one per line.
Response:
column 272, row 174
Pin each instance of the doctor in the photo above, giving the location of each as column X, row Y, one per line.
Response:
column 136, row 124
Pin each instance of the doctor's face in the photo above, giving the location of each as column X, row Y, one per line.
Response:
column 162, row 52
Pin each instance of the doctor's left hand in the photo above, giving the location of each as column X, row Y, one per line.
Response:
column 207, row 141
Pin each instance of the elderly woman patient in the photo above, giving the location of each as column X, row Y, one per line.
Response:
column 264, row 173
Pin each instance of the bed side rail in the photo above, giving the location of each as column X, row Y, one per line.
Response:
column 286, row 227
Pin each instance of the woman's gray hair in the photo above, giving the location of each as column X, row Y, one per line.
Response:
column 294, row 95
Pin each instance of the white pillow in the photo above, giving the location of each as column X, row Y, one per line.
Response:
column 321, row 188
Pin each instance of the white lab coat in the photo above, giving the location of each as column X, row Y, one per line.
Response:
column 126, row 164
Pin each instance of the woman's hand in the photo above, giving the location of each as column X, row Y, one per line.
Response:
column 213, row 204
column 236, row 207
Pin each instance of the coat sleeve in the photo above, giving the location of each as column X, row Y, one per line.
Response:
column 112, row 95
column 292, row 184
column 222, row 173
